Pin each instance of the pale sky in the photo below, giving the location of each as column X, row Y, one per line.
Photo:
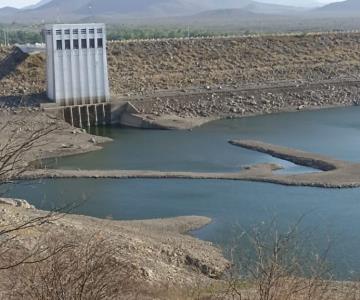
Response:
column 22, row 3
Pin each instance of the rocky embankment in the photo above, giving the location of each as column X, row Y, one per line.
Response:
column 213, row 77
column 56, row 138
column 137, row 67
column 261, row 99
column 158, row 252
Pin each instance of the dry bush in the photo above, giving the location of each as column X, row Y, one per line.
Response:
column 18, row 141
column 37, row 265
column 79, row 268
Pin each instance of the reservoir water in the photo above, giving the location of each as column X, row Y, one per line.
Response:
column 330, row 214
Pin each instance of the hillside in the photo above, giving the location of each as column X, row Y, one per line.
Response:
column 62, row 6
column 226, row 13
column 138, row 67
column 159, row 7
column 215, row 14
column 38, row 4
column 349, row 6
column 140, row 7
column 295, row 3
column 182, row 64
column 68, row 10
column 6, row 11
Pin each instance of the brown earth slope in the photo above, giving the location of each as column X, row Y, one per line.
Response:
column 144, row 66
column 152, row 65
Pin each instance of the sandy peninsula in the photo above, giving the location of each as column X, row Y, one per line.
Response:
column 332, row 173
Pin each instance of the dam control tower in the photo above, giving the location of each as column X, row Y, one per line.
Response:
column 77, row 70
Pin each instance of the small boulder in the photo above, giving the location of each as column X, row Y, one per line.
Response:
column 16, row 203
column 66, row 146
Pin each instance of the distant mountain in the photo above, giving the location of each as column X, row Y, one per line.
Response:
column 222, row 13
column 253, row 6
column 41, row 3
column 49, row 11
column 60, row 6
column 141, row 7
column 76, row 10
column 349, row 6
column 270, row 9
column 6, row 11
column 296, row 3
column 178, row 7
column 251, row 13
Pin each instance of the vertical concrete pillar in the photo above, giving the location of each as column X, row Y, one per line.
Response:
column 67, row 115
column 80, row 118
column 72, row 117
column 88, row 115
column 96, row 115
column 104, row 114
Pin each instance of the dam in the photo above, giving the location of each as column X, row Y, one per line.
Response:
column 77, row 73
column 132, row 66
column 77, row 77
column 77, row 69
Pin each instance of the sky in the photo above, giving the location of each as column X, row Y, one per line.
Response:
column 22, row 3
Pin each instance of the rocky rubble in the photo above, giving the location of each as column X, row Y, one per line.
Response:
column 22, row 79
column 244, row 103
column 147, row 66
column 138, row 67
column 21, row 123
column 16, row 203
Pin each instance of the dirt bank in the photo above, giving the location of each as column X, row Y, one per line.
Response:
column 207, row 77
column 136, row 67
column 249, row 100
column 302, row 158
column 260, row 170
column 336, row 173
column 20, row 124
column 159, row 251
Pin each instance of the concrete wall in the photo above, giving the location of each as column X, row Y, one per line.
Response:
column 83, row 116
column 77, row 71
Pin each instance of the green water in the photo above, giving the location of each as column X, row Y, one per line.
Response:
column 330, row 214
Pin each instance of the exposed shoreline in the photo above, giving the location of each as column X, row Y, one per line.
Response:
column 174, row 122
column 180, row 85
column 64, row 141
column 332, row 173
column 192, row 107
column 159, row 250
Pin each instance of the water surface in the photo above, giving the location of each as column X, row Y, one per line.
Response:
column 331, row 214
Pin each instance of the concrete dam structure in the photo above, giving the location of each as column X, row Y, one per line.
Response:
column 77, row 70
column 78, row 81
column 115, row 112
column 77, row 74
column 88, row 115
